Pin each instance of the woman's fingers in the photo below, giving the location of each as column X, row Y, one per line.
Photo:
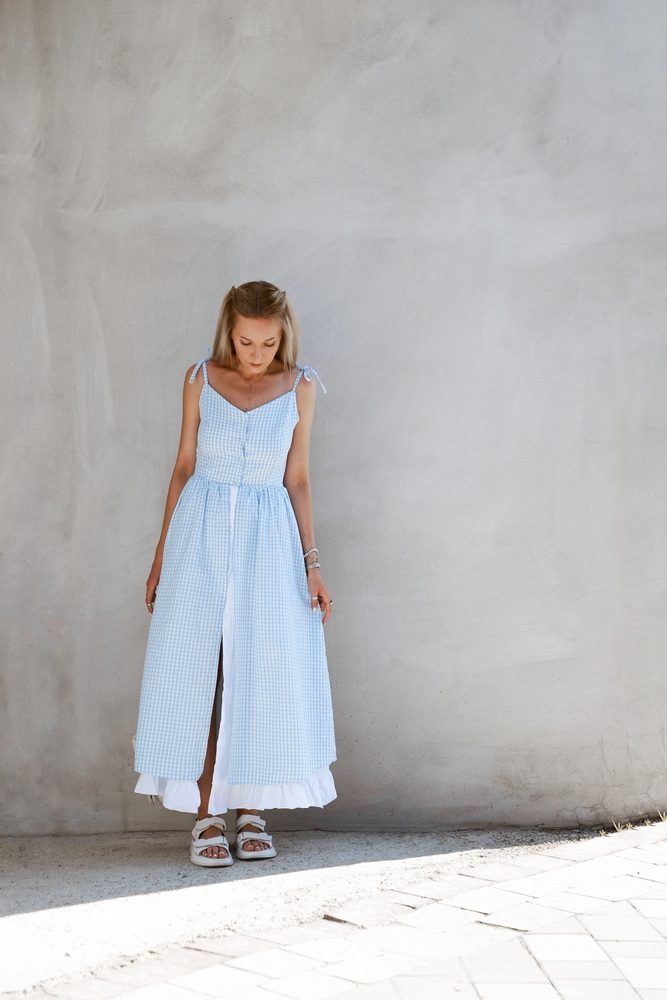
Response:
column 151, row 587
column 322, row 600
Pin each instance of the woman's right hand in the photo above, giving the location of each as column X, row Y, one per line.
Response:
column 152, row 582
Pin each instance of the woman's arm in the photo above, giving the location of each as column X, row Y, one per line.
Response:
column 297, row 484
column 183, row 469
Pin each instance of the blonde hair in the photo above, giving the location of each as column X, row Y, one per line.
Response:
column 256, row 299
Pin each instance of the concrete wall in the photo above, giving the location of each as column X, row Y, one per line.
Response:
column 466, row 202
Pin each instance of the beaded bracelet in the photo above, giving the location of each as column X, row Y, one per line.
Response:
column 309, row 553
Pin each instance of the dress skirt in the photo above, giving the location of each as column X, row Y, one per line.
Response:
column 183, row 796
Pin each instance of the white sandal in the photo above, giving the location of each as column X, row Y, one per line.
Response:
column 200, row 844
column 241, row 838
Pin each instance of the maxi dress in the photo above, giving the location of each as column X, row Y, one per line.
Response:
column 233, row 576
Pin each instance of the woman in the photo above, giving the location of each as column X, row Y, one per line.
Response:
column 241, row 602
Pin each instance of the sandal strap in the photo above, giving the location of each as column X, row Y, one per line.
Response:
column 205, row 824
column 246, row 818
column 203, row 844
column 263, row 838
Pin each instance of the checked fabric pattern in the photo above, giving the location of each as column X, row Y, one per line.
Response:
column 282, row 719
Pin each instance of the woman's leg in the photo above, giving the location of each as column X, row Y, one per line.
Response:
column 206, row 781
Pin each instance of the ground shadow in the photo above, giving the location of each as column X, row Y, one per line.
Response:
column 39, row 873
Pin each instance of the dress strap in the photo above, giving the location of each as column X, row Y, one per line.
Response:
column 202, row 364
column 308, row 375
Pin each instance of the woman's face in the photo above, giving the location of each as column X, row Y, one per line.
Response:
column 256, row 341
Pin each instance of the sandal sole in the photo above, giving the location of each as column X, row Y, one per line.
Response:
column 256, row 855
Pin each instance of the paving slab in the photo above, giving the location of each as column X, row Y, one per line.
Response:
column 499, row 871
column 164, row 991
column 517, row 991
column 644, row 973
column 438, row 917
column 314, row 930
column 487, row 900
column 427, row 946
column 159, row 968
column 596, row 847
column 635, row 949
column 581, row 970
column 525, row 917
column 504, row 963
column 218, row 980
column 371, row 911
column 587, row 989
column 622, row 887
column 275, row 963
column 616, row 927
column 333, row 949
column 374, row 991
column 230, row 945
column 575, row 902
column 446, row 888
column 452, row 970
column 432, row 988
column 405, row 898
column 371, row 968
column 542, row 861
column 311, row 986
column 564, row 947
column 652, row 908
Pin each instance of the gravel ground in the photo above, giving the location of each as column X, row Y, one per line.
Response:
column 38, row 873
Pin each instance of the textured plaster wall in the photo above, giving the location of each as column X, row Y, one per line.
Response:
column 467, row 203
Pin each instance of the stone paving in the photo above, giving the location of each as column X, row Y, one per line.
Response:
column 582, row 920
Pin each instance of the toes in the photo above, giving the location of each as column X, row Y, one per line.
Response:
column 214, row 852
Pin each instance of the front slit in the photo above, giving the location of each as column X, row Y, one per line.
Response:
column 228, row 679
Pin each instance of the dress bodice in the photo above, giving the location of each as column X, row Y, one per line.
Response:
column 245, row 447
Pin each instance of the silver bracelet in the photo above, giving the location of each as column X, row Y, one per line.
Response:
column 314, row 565
column 309, row 553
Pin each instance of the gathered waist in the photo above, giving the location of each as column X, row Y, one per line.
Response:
column 238, row 484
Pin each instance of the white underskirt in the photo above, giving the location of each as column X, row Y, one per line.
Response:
column 183, row 796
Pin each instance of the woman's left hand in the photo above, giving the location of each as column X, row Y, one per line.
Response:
column 319, row 594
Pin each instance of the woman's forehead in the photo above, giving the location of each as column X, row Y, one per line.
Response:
column 257, row 326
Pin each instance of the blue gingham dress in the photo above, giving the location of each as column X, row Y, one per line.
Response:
column 233, row 574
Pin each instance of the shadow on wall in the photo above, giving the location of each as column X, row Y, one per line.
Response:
column 41, row 873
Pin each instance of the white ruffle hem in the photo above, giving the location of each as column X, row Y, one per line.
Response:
column 183, row 796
